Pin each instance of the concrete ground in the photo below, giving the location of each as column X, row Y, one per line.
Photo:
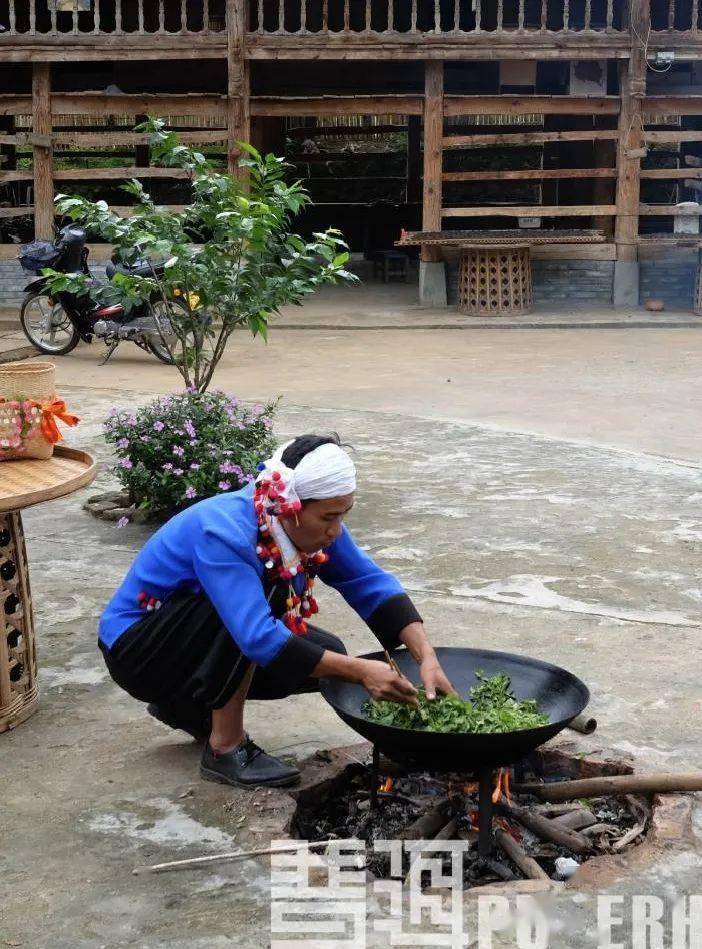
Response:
column 536, row 492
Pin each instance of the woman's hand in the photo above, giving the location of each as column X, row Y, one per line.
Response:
column 434, row 678
column 385, row 684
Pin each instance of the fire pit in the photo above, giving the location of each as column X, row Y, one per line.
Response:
column 559, row 695
column 528, row 838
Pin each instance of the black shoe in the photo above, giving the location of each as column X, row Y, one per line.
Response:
column 199, row 730
column 247, row 766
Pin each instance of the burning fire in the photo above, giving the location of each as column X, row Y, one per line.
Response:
column 386, row 785
column 501, row 786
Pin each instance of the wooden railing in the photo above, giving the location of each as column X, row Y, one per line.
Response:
column 682, row 16
column 147, row 17
column 305, row 17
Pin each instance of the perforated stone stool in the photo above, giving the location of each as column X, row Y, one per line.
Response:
column 495, row 281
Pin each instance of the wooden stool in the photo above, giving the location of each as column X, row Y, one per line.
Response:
column 495, row 281
column 391, row 264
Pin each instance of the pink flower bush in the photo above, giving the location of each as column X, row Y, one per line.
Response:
column 179, row 449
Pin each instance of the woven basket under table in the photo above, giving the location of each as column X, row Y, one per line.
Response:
column 18, row 664
column 494, row 281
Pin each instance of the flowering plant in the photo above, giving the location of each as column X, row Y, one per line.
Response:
column 230, row 258
column 182, row 448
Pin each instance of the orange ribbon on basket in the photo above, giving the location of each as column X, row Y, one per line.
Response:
column 50, row 411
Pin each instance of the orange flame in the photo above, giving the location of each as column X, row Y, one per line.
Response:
column 386, row 785
column 501, row 786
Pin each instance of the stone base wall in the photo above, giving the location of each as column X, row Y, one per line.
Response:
column 559, row 281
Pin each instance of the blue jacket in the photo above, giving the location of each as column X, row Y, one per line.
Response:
column 211, row 547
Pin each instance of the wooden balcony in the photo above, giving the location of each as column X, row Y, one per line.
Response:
column 441, row 29
column 44, row 30
column 52, row 30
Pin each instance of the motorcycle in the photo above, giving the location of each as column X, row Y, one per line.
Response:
column 55, row 323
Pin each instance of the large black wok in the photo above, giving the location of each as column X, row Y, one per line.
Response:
column 559, row 694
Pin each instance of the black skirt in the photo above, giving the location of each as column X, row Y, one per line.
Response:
column 182, row 657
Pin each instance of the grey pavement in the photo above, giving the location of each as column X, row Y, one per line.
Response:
column 545, row 501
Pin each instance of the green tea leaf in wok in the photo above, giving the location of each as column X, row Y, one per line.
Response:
column 491, row 708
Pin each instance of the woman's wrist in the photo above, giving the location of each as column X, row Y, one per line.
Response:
column 415, row 638
column 340, row 666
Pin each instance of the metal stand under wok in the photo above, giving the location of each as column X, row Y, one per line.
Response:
column 486, row 781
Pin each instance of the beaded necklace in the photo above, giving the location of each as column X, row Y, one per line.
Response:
column 300, row 607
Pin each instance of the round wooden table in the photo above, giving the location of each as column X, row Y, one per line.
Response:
column 23, row 483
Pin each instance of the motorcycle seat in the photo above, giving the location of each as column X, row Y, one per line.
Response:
column 142, row 268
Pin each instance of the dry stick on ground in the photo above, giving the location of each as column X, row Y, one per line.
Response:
column 576, row 820
column 596, row 829
column 194, row 862
column 428, row 824
column 556, row 810
column 546, row 829
column 448, row 832
column 629, row 836
column 619, row 784
column 518, row 855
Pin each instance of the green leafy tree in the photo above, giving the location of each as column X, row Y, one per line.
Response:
column 230, row 259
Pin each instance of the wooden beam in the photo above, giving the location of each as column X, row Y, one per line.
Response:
column 100, row 103
column 661, row 210
column 672, row 105
column 17, row 212
column 531, row 105
column 128, row 210
column 6, row 177
column 359, row 130
column 15, row 105
column 433, row 138
column 238, row 83
column 528, row 138
column 632, row 78
column 671, row 173
column 574, row 252
column 336, row 105
column 116, row 174
column 575, row 210
column 673, row 137
column 476, row 45
column 530, row 174
column 127, row 139
column 42, row 157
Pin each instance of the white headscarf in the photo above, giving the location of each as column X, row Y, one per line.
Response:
column 326, row 472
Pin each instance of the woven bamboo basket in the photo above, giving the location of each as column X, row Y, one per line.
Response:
column 18, row 664
column 495, row 281
column 697, row 304
column 28, row 380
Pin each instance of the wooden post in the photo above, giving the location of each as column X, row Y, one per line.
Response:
column 42, row 155
column 238, row 86
column 433, row 144
column 141, row 152
column 632, row 90
column 414, row 159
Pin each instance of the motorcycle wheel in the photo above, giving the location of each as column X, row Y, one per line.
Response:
column 48, row 328
column 155, row 343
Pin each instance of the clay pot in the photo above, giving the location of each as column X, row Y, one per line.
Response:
column 654, row 306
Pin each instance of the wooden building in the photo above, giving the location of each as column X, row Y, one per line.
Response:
column 548, row 116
